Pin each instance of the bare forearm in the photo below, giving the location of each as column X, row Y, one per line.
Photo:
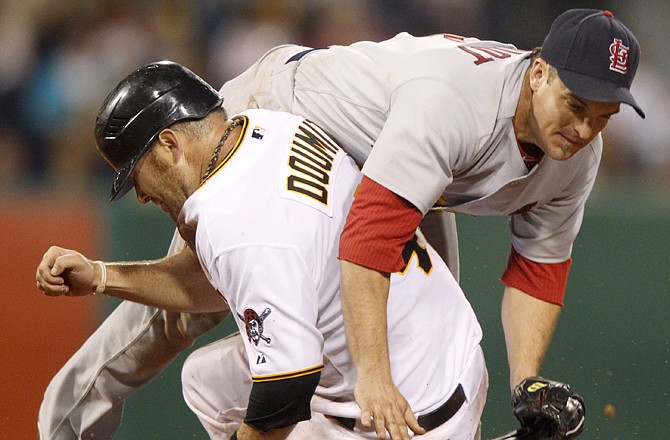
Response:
column 174, row 283
column 364, row 297
column 529, row 324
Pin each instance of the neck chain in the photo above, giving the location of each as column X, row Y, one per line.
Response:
column 217, row 150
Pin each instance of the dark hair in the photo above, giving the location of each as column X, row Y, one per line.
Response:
column 551, row 70
column 197, row 128
column 535, row 53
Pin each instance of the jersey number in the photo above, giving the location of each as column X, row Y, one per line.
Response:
column 484, row 54
column 412, row 248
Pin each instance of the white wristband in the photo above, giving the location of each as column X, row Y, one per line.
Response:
column 103, row 279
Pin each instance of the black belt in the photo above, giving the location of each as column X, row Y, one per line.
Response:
column 428, row 421
column 299, row 55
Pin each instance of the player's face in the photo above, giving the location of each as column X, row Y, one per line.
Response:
column 157, row 182
column 563, row 123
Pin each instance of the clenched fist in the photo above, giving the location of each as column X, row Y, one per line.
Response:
column 67, row 272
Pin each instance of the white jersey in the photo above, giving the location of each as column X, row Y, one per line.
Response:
column 267, row 225
column 438, row 111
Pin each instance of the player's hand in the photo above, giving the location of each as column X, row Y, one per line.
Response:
column 67, row 272
column 382, row 404
column 548, row 410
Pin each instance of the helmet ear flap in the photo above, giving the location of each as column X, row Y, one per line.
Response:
column 140, row 107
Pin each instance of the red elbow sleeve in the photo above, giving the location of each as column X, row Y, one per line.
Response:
column 378, row 226
column 541, row 280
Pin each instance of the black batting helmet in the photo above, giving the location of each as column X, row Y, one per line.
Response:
column 140, row 107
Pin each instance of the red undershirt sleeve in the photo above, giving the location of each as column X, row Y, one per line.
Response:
column 378, row 226
column 380, row 223
column 540, row 280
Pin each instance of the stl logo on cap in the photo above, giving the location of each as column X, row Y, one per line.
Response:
column 619, row 58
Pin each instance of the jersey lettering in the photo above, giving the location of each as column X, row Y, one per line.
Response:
column 308, row 188
column 454, row 37
column 311, row 162
column 485, row 54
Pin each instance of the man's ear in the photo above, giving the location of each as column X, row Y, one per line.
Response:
column 170, row 144
column 538, row 72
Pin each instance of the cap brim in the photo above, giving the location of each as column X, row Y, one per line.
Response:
column 598, row 90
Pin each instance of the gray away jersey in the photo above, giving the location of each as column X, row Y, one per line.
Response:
column 431, row 119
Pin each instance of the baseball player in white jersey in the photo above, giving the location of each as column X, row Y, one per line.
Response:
column 468, row 126
column 264, row 220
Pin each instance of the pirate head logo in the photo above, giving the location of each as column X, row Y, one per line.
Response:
column 619, row 56
column 254, row 325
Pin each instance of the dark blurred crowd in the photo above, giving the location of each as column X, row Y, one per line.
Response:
column 59, row 59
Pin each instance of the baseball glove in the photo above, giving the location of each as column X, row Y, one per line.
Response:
column 548, row 410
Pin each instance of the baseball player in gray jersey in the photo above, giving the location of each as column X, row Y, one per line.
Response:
column 456, row 124
column 261, row 213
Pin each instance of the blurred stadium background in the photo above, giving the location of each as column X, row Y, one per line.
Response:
column 59, row 59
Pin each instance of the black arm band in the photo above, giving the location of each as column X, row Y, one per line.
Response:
column 281, row 403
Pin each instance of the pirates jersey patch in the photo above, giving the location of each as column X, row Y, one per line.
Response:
column 254, row 325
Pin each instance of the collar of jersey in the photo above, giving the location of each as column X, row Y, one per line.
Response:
column 231, row 153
